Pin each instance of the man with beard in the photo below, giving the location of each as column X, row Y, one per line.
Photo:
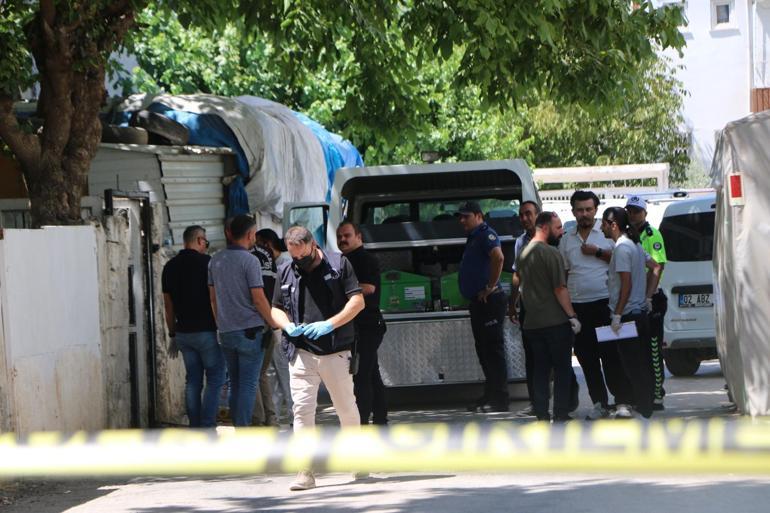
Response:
column 551, row 326
column 528, row 212
column 370, row 326
column 479, row 281
column 586, row 255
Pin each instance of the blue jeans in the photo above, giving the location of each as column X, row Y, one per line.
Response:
column 244, row 363
column 201, row 353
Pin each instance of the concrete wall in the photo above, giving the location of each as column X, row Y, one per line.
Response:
column 113, row 255
column 52, row 344
column 761, row 45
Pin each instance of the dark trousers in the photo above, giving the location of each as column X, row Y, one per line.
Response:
column 592, row 355
column 487, row 325
column 552, row 348
column 529, row 357
column 367, row 383
column 658, row 314
column 529, row 366
column 635, row 356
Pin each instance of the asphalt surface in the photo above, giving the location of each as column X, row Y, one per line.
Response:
column 700, row 396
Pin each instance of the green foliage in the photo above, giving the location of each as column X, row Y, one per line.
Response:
column 16, row 62
column 645, row 128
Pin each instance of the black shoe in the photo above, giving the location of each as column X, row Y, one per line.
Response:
column 478, row 403
column 574, row 400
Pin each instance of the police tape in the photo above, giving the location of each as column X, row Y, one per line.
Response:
column 614, row 446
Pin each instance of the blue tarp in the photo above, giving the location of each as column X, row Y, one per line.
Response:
column 338, row 152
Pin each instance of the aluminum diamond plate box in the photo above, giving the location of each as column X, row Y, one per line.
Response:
column 420, row 350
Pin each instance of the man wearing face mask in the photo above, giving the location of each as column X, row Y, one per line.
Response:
column 316, row 298
column 551, row 326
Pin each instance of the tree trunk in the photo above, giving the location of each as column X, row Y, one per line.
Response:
column 70, row 43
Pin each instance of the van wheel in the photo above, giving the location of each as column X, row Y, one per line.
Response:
column 682, row 362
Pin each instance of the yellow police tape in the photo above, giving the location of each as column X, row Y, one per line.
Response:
column 672, row 446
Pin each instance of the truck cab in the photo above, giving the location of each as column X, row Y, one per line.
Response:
column 408, row 218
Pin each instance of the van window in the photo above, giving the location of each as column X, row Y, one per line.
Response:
column 435, row 210
column 689, row 237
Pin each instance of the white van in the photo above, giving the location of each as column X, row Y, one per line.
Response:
column 689, row 330
column 407, row 215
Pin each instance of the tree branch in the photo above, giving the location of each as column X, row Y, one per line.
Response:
column 26, row 147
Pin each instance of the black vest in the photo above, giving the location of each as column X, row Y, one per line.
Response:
column 291, row 279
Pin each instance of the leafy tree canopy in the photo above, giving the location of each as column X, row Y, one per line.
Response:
column 588, row 51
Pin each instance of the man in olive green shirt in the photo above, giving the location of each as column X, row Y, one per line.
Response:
column 552, row 323
column 652, row 242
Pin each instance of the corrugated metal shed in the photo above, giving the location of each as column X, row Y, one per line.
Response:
column 186, row 179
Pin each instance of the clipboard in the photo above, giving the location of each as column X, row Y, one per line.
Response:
column 627, row 330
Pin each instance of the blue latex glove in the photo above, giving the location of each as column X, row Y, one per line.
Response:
column 316, row 330
column 293, row 330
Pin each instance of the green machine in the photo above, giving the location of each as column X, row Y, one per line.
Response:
column 450, row 290
column 404, row 292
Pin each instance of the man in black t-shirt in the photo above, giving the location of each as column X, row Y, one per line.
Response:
column 191, row 326
column 370, row 326
column 316, row 298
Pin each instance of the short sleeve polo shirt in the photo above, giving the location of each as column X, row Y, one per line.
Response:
column 474, row 267
column 587, row 274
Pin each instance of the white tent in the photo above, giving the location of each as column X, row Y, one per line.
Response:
column 741, row 176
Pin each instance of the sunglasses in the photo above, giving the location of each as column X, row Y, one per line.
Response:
column 206, row 241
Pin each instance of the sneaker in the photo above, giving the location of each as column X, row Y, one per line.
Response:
column 305, row 480
column 529, row 411
column 360, row 476
column 623, row 411
column 598, row 412
column 490, row 408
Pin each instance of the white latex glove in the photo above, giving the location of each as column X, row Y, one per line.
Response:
column 576, row 326
column 649, row 304
column 615, row 325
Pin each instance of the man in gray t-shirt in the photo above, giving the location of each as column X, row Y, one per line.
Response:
column 241, row 309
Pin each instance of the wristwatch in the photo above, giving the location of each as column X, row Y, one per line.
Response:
column 598, row 253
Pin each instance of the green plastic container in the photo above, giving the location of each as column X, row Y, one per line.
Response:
column 404, row 292
column 450, row 292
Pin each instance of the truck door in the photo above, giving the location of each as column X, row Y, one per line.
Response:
column 313, row 216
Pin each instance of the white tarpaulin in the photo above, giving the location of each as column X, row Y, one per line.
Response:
column 285, row 159
column 741, row 266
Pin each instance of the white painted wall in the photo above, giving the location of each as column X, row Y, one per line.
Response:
column 50, row 319
column 761, row 47
column 716, row 73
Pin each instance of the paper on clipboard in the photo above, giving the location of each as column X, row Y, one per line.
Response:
column 627, row 330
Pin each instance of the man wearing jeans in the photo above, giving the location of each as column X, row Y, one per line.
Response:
column 316, row 299
column 191, row 326
column 551, row 326
column 241, row 308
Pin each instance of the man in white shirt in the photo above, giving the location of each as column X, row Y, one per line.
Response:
column 587, row 253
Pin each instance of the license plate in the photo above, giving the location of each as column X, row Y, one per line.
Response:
column 695, row 300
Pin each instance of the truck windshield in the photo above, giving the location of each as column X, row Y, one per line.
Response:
column 689, row 237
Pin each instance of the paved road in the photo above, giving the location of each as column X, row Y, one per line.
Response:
column 700, row 396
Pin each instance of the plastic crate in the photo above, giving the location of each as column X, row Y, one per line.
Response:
column 450, row 292
column 404, row 292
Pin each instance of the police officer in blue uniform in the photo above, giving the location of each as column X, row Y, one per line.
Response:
column 479, row 281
